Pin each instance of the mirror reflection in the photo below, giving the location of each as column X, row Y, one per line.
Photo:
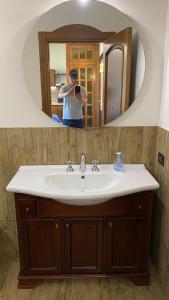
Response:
column 53, row 48
column 84, row 60
column 109, row 75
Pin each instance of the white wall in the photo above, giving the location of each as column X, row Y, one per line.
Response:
column 18, row 108
column 164, row 113
column 57, row 55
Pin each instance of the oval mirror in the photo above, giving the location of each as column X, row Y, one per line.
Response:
column 109, row 60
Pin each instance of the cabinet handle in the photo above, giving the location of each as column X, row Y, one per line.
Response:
column 67, row 225
column 27, row 209
column 110, row 224
column 56, row 226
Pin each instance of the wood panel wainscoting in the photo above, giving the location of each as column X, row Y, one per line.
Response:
column 63, row 241
column 51, row 146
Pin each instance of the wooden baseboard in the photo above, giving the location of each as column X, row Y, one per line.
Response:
column 30, row 281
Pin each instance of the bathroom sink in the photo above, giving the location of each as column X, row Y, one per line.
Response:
column 90, row 182
column 70, row 188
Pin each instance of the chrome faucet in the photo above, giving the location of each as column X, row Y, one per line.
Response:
column 82, row 163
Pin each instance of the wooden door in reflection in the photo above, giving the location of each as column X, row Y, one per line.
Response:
column 117, row 69
column 85, row 58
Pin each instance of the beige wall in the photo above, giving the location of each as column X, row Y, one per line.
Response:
column 160, row 222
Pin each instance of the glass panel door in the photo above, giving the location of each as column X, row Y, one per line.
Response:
column 84, row 58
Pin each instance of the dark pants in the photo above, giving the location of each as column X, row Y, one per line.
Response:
column 73, row 123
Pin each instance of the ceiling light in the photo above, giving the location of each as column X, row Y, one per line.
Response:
column 83, row 1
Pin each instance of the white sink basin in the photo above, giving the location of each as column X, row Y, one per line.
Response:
column 69, row 188
column 74, row 183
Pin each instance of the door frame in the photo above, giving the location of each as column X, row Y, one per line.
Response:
column 66, row 34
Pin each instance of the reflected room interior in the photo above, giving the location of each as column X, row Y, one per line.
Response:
column 110, row 62
column 111, row 71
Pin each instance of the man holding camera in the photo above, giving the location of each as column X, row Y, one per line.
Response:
column 74, row 98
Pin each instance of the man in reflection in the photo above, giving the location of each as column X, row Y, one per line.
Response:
column 74, row 98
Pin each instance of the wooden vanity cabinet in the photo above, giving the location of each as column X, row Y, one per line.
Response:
column 60, row 241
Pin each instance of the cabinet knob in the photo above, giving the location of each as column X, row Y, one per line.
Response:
column 67, row 225
column 56, row 226
column 27, row 209
column 139, row 207
column 110, row 224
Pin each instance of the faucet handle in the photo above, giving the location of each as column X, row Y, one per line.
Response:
column 95, row 162
column 95, row 167
column 69, row 163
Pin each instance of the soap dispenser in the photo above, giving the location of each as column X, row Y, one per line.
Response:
column 118, row 162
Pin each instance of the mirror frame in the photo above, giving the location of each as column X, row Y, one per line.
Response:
column 69, row 33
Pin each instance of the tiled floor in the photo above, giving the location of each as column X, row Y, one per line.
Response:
column 88, row 289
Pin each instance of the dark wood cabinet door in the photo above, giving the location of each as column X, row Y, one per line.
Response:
column 83, row 240
column 40, row 246
column 126, row 245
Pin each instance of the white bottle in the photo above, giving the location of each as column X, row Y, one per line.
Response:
column 118, row 162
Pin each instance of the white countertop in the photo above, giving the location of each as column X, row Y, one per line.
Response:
column 52, row 181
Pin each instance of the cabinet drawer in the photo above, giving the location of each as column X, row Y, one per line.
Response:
column 139, row 207
column 26, row 208
column 116, row 207
column 141, row 203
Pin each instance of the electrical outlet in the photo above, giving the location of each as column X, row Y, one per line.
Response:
column 161, row 158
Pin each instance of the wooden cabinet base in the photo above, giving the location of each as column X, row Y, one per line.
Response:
column 59, row 241
column 29, row 281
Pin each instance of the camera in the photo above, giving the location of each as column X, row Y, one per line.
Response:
column 77, row 89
